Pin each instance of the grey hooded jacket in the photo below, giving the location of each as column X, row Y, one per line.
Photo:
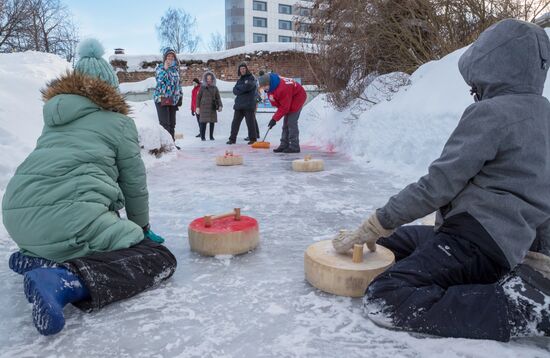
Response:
column 496, row 164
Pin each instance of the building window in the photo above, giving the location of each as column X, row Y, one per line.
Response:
column 259, row 38
column 259, row 5
column 302, row 27
column 285, row 9
column 285, row 39
column 259, row 21
column 306, row 40
column 304, row 11
column 285, row 25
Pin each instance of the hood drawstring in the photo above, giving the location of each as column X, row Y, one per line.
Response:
column 474, row 92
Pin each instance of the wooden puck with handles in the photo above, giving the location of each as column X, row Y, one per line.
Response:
column 224, row 234
column 347, row 274
column 308, row 164
column 229, row 158
column 178, row 136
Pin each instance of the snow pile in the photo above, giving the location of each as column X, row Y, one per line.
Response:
column 134, row 62
column 406, row 130
column 138, row 87
column 22, row 75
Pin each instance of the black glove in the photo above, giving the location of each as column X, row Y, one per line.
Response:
column 272, row 123
column 193, row 113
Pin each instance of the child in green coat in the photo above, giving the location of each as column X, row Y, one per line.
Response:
column 61, row 207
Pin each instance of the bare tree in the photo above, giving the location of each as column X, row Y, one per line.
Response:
column 13, row 14
column 177, row 31
column 356, row 39
column 216, row 42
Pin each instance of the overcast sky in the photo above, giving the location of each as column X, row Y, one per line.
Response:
column 131, row 24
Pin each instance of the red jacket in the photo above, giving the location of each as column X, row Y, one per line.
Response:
column 288, row 97
column 194, row 98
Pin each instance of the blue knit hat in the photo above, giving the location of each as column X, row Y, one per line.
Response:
column 92, row 64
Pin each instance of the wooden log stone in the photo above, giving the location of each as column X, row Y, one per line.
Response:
column 227, row 234
column 178, row 136
column 308, row 164
column 229, row 158
column 338, row 274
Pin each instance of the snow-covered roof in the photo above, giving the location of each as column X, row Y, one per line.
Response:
column 134, row 61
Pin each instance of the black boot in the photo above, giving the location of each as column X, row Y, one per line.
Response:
column 528, row 294
column 279, row 149
column 231, row 141
column 198, row 135
column 291, row 150
column 247, row 139
column 252, row 141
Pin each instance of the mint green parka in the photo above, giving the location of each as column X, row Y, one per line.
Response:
column 61, row 202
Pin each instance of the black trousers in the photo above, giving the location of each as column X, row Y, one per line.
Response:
column 167, row 117
column 116, row 275
column 442, row 285
column 198, row 121
column 251, row 124
column 202, row 127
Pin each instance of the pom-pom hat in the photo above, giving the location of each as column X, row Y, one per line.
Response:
column 91, row 62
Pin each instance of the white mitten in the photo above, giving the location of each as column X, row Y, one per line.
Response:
column 369, row 232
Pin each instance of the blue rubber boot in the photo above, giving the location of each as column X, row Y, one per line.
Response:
column 22, row 264
column 49, row 290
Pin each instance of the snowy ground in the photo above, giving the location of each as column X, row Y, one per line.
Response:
column 254, row 305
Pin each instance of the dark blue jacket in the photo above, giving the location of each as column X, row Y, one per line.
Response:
column 245, row 89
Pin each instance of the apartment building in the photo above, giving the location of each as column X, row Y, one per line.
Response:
column 254, row 21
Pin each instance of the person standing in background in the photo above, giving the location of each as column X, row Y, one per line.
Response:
column 209, row 103
column 168, row 93
column 194, row 93
column 245, row 91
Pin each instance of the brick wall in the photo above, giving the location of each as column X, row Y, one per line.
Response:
column 288, row 64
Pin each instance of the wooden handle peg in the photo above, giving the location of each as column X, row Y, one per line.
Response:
column 307, row 158
column 357, row 253
column 208, row 219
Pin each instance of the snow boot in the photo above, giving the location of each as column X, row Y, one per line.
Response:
column 230, row 142
column 528, row 294
column 252, row 141
column 247, row 139
column 291, row 150
column 49, row 290
column 279, row 149
column 198, row 135
column 22, row 264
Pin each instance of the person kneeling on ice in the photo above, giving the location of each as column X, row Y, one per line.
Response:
column 61, row 206
column 289, row 98
column 491, row 187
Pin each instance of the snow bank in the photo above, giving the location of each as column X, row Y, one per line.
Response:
column 138, row 87
column 134, row 62
column 404, row 134
column 22, row 75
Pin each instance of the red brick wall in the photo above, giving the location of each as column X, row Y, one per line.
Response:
column 288, row 64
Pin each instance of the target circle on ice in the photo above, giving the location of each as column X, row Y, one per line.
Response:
column 308, row 164
column 346, row 274
column 225, row 234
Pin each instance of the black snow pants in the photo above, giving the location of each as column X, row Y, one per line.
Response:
column 441, row 284
column 167, row 118
column 116, row 275
column 251, row 123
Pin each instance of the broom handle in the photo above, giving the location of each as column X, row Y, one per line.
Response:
column 266, row 134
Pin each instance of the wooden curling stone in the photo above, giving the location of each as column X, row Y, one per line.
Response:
column 346, row 274
column 308, row 164
column 229, row 159
column 178, row 136
column 225, row 234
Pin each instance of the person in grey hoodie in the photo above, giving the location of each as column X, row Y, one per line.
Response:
column 491, row 188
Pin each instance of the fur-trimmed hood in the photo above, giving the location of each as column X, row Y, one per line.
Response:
column 96, row 90
column 204, row 84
